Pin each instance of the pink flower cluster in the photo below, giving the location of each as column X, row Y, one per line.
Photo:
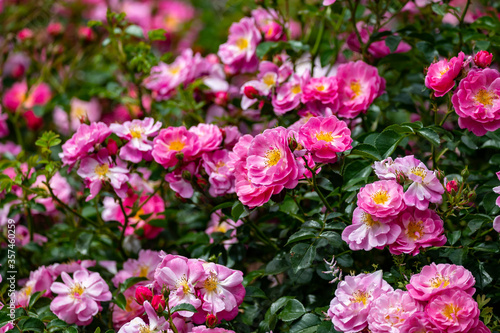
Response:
column 389, row 216
column 439, row 299
column 266, row 164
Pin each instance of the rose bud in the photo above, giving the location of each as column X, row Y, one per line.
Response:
column 112, row 147
column 211, row 320
column 250, row 92
column 452, row 186
column 143, row 294
column 158, row 303
column 54, row 28
column 483, row 59
column 24, row 34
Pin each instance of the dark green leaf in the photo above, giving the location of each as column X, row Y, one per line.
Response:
column 292, row 311
column 392, row 42
column 307, row 324
column 366, row 150
column 183, row 307
column 302, row 256
column 430, row 135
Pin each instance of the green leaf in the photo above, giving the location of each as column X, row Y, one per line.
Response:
column 483, row 278
column 134, row 30
column 83, row 242
column 392, row 42
column 183, row 307
column 428, row 50
column 468, row 142
column 439, row 9
column 292, row 311
column 158, row 34
column 333, row 238
column 387, row 142
column 97, row 330
column 33, row 324
column 239, row 211
column 454, row 236
column 120, row 301
column 279, row 264
column 256, row 292
column 222, row 206
column 486, row 22
column 366, row 150
column 430, row 135
column 34, row 298
column 307, row 324
column 302, row 234
column 130, row 282
column 302, row 256
column 289, row 206
column 264, row 47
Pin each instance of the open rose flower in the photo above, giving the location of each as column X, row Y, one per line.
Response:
column 382, row 198
column 441, row 75
column 174, row 142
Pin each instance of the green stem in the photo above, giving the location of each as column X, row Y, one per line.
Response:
column 134, row 212
column 315, row 186
column 317, row 44
column 260, row 234
column 122, row 236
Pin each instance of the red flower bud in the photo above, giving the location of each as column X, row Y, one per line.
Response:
column 24, row 34
column 452, row 185
column 112, row 147
column 221, row 98
column 250, row 92
column 158, row 303
column 54, row 28
column 32, row 120
column 483, row 59
column 211, row 320
column 86, row 33
column 143, row 294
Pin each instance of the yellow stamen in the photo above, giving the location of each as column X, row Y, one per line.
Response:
column 360, row 296
column 102, row 169
column 380, row 197
column 368, row 220
column 273, row 157
column 79, row 112
column 320, row 88
column 185, row 285
column 143, row 271
column 356, row 89
column 211, row 282
column 28, row 290
column 269, row 80
column 485, row 97
column 440, row 281
column 77, row 290
column 417, row 171
column 450, row 311
column 328, row 137
column 136, row 131
column 444, row 70
column 220, row 228
column 296, row 89
column 145, row 329
column 174, row 70
column 415, row 230
column 242, row 43
column 176, row 145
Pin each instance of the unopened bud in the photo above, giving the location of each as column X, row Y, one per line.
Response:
column 250, row 92
column 143, row 294
column 180, row 156
column 452, row 186
column 24, row 34
column 158, row 303
column 186, row 175
column 221, row 98
column 211, row 320
column 483, row 59
column 112, row 147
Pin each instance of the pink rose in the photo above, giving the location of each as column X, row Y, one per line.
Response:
column 441, row 75
column 382, row 198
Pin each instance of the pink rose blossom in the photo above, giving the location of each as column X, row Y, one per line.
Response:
column 270, row 161
column 155, row 323
column 359, row 84
column 325, row 137
column 368, row 232
column 84, row 141
column 137, row 131
column 328, row 2
column 101, row 169
column 353, row 299
column 433, row 279
column 454, row 311
column 419, row 229
column 386, row 169
column 496, row 224
column 82, row 111
column 419, row 322
column 441, row 75
column 288, row 95
column 180, row 275
column 377, row 49
column 16, row 65
column 220, row 223
column 220, row 176
column 389, row 311
column 480, row 328
column 174, row 141
column 209, row 136
column 238, row 53
column 79, row 297
column 18, row 95
column 477, row 101
column 382, row 198
column 321, row 93
column 483, row 59
column 179, row 184
column 268, row 22
column 144, row 266
column 70, row 267
column 132, row 310
column 39, row 280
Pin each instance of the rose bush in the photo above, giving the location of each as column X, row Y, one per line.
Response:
column 235, row 166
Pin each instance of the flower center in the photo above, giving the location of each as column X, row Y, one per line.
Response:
column 320, row 87
column 136, row 132
column 184, row 284
column 171, row 22
column 77, row 290
column 360, row 296
column 176, row 145
column 417, row 171
column 128, row 308
column 174, row 70
column 296, row 89
column 439, row 281
column 80, row 113
column 102, row 169
column 143, row 271
column 269, row 80
column 380, row 197
column 415, row 230
column 219, row 164
column 328, row 137
column 356, row 89
column 450, row 311
column 444, row 70
column 144, row 329
column 28, row 290
column 273, row 157
column 211, row 283
column 485, row 97
column 368, row 220
column 242, row 43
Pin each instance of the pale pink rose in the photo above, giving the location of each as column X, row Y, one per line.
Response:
column 419, row 229
column 172, row 15
column 209, row 136
column 82, row 111
column 144, row 266
column 386, row 169
column 433, row 279
column 23, row 236
column 100, row 169
column 220, row 176
column 477, row 101
column 83, row 142
column 137, row 131
column 377, row 49
column 288, row 95
column 353, row 299
column 441, row 75
column 132, row 310
column 174, row 142
column 180, row 276
column 179, row 184
column 155, row 323
column 269, row 24
column 454, row 311
column 79, row 297
column 220, row 223
column 321, row 93
column 267, row 79
column 359, row 84
column 70, row 267
column 239, row 52
column 496, row 224
column 61, row 120
column 419, row 322
column 389, row 311
column 270, row 161
column 383, row 198
column 221, row 290
column 368, row 232
column 325, row 137
column 39, row 280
